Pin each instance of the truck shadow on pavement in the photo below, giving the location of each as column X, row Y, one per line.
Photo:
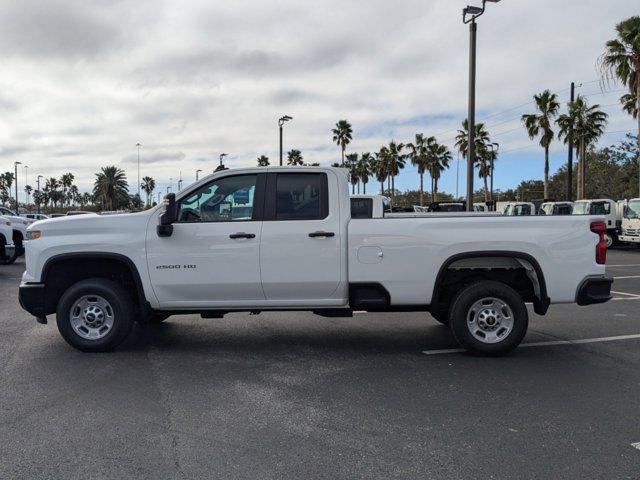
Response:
column 304, row 335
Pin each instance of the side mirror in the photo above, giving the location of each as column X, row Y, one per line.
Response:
column 169, row 216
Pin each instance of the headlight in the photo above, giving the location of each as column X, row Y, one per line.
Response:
column 33, row 234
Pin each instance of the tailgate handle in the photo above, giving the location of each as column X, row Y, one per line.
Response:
column 322, row 234
column 242, row 235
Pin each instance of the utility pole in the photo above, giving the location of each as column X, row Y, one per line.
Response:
column 471, row 117
column 26, row 182
column 180, row 181
column 570, row 153
column 281, row 122
column 15, row 165
column 197, row 172
column 473, row 13
column 138, row 145
column 39, row 193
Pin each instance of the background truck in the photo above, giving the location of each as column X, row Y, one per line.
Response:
column 7, row 249
column 630, row 225
column 606, row 208
column 282, row 238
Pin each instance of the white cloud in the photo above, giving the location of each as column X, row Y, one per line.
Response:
column 83, row 82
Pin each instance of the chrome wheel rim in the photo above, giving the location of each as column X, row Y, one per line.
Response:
column 91, row 317
column 490, row 320
column 608, row 240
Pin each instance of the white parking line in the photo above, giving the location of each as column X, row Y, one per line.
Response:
column 626, row 298
column 636, row 445
column 545, row 344
column 628, row 276
column 628, row 265
column 623, row 293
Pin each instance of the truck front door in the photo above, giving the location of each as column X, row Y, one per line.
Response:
column 212, row 259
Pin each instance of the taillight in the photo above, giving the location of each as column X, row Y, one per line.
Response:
column 601, row 248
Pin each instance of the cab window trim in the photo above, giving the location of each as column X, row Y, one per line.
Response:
column 257, row 213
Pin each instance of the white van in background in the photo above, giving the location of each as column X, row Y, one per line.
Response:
column 606, row 208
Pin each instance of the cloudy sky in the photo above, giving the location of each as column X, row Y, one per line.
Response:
column 82, row 82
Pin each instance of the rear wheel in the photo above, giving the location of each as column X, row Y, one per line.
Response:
column 608, row 238
column 488, row 318
column 95, row 315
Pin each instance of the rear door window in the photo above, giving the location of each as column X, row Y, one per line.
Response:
column 301, row 196
column 361, row 208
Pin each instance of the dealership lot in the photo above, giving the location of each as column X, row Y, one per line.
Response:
column 292, row 395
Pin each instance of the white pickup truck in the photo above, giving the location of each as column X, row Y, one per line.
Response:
column 282, row 238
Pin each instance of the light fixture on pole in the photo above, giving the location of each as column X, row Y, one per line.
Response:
column 281, row 122
column 221, row 166
column 138, row 145
column 197, row 172
column 469, row 15
column 15, row 166
column 39, row 193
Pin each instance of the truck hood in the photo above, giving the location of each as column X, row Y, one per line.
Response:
column 92, row 224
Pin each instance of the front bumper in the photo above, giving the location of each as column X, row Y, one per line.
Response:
column 626, row 238
column 31, row 298
column 595, row 289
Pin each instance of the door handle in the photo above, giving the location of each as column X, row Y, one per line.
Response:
column 242, row 235
column 321, row 234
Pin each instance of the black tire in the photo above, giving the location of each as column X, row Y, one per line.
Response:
column 123, row 314
column 9, row 260
column 461, row 311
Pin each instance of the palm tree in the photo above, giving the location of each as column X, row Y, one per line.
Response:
column 111, row 187
column 419, row 157
column 6, row 180
column 481, row 139
column 585, row 124
column 630, row 104
column 50, row 191
column 263, row 161
column 342, row 135
column 66, row 180
column 621, row 59
column 294, row 157
column 441, row 156
column 397, row 162
column 73, row 194
column 379, row 167
column 483, row 165
column 28, row 189
column 364, row 170
column 351, row 163
column 148, row 186
column 540, row 124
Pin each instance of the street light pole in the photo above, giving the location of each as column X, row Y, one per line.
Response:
column 472, row 13
column 39, row 193
column 570, row 153
column 15, row 166
column 281, row 122
column 197, row 172
column 138, row 145
column 26, row 182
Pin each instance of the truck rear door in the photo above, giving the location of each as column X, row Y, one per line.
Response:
column 300, row 249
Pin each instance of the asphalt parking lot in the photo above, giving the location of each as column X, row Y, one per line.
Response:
column 276, row 395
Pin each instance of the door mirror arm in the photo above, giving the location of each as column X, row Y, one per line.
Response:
column 169, row 216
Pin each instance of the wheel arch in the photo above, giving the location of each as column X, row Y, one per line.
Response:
column 528, row 262
column 113, row 265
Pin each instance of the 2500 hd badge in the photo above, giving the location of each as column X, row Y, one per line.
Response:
column 175, row 267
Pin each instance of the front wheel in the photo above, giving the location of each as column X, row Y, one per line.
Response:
column 95, row 315
column 608, row 238
column 488, row 318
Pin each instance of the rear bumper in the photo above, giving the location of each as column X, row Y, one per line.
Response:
column 626, row 238
column 595, row 289
column 31, row 298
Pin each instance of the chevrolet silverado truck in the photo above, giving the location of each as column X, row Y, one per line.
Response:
column 8, row 252
column 282, row 238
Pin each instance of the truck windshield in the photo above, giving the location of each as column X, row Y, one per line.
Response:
column 633, row 210
column 580, row 208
